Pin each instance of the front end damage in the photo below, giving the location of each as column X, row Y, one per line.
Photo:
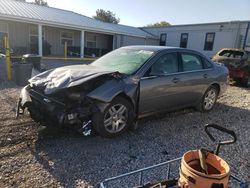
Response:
column 74, row 106
column 60, row 109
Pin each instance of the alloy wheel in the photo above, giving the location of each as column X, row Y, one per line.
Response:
column 210, row 99
column 115, row 119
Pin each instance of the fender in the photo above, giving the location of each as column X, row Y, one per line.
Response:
column 112, row 88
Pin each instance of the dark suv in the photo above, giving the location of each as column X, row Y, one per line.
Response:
column 238, row 63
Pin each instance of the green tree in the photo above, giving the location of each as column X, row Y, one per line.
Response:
column 41, row 2
column 159, row 24
column 106, row 16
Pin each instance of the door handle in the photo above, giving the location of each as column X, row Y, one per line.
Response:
column 205, row 75
column 176, row 80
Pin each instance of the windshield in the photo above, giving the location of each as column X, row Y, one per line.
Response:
column 124, row 60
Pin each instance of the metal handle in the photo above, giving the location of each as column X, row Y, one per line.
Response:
column 205, row 75
column 175, row 80
column 224, row 130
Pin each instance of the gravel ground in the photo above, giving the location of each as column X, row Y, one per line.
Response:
column 34, row 157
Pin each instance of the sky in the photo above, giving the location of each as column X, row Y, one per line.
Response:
column 142, row 12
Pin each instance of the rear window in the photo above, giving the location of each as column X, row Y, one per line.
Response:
column 191, row 62
column 232, row 54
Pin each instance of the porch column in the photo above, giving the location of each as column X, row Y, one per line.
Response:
column 114, row 42
column 82, row 43
column 40, row 40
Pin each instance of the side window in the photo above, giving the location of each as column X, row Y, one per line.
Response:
column 191, row 62
column 207, row 64
column 166, row 64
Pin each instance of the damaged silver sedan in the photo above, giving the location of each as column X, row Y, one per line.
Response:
column 110, row 94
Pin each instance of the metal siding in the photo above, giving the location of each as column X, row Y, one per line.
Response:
column 102, row 40
column 128, row 40
column 226, row 35
column 18, row 34
column 153, row 42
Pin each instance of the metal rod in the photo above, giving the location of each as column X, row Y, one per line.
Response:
column 143, row 169
column 168, row 171
column 141, row 178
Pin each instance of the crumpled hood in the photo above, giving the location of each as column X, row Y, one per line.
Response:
column 68, row 76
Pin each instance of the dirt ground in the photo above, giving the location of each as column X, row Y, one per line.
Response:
column 31, row 156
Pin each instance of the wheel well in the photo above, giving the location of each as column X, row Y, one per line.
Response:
column 127, row 98
column 217, row 86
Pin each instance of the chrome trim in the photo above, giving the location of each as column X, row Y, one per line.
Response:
column 177, row 73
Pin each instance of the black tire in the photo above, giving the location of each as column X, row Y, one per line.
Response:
column 246, row 82
column 206, row 104
column 118, row 121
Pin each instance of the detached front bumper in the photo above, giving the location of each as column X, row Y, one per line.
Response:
column 41, row 108
column 50, row 111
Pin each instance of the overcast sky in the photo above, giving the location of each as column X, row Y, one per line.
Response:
column 142, row 12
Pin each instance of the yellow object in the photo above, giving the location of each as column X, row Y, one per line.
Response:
column 65, row 50
column 7, row 57
column 191, row 172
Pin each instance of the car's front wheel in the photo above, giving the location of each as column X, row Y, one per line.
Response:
column 208, row 100
column 115, row 119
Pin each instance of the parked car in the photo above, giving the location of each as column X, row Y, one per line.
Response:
column 110, row 94
column 238, row 63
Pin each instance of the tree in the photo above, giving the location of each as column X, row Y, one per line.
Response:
column 41, row 2
column 106, row 16
column 159, row 24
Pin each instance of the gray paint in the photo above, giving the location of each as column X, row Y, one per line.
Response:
column 153, row 89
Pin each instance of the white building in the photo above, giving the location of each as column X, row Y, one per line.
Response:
column 206, row 38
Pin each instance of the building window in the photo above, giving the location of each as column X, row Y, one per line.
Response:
column 184, row 40
column 163, row 39
column 209, row 41
column 68, row 37
column 34, row 34
column 91, row 41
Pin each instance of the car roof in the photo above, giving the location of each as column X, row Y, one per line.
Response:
column 233, row 49
column 162, row 48
column 151, row 48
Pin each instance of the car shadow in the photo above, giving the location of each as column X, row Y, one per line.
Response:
column 74, row 160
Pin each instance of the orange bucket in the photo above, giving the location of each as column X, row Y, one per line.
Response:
column 191, row 172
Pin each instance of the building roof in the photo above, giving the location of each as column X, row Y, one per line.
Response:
column 199, row 24
column 32, row 13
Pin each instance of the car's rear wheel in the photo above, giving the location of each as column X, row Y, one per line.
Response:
column 246, row 81
column 208, row 100
column 115, row 119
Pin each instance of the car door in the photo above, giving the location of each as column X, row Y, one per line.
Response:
column 195, row 77
column 159, row 85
